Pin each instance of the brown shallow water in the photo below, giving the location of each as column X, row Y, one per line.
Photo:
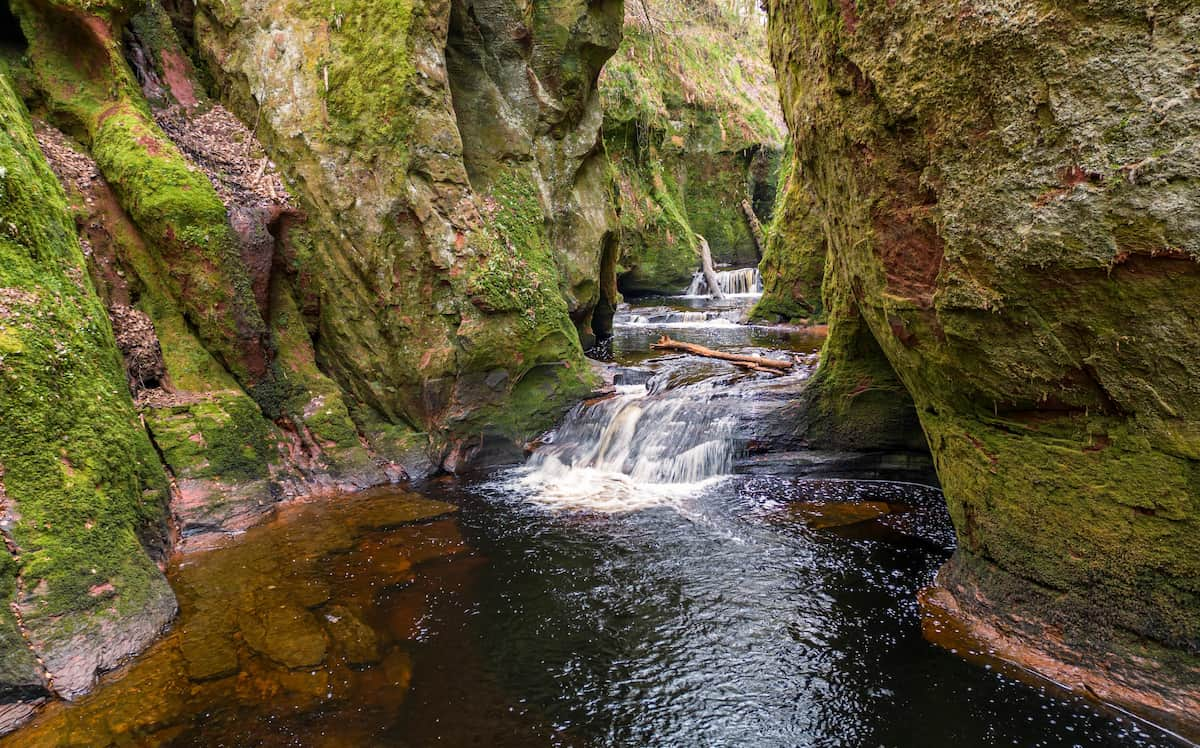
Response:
column 745, row 611
column 299, row 632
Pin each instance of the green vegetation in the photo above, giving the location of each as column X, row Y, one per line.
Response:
column 854, row 400
column 234, row 442
column 174, row 206
column 1028, row 301
column 79, row 472
column 692, row 128
column 365, row 70
column 793, row 262
column 423, row 289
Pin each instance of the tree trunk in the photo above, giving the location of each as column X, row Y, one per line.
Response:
column 710, row 275
column 756, row 229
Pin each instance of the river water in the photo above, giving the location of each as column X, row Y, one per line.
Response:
column 626, row 587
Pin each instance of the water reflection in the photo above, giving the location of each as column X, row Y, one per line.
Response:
column 731, row 620
column 728, row 620
column 301, row 632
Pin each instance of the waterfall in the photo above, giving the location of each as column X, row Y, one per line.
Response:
column 637, row 449
column 739, row 282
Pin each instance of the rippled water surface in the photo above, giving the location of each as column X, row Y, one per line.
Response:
column 729, row 619
column 746, row 614
column 620, row 590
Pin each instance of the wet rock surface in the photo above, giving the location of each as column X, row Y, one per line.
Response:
column 1006, row 223
column 82, row 496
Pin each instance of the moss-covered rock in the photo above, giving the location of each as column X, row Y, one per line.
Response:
column 534, row 147
column 692, row 126
column 854, row 401
column 89, row 90
column 1010, row 193
column 447, row 282
column 793, row 261
column 81, row 483
column 446, row 263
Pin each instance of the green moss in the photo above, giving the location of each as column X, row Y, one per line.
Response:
column 318, row 404
column 855, row 401
column 518, row 273
column 222, row 437
column 416, row 300
column 19, row 668
column 793, row 262
column 91, row 92
column 658, row 244
column 185, row 221
column 1119, row 496
column 685, row 112
column 238, row 441
column 519, row 276
column 366, row 69
column 1027, row 300
column 77, row 464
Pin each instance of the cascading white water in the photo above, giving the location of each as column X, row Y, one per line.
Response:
column 634, row 450
column 740, row 282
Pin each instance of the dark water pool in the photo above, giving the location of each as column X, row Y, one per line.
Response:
column 729, row 618
column 748, row 614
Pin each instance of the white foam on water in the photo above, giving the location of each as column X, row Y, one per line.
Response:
column 557, row 487
column 639, row 321
column 632, row 452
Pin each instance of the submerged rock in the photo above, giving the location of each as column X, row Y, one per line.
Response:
column 356, row 640
column 286, row 633
column 356, row 282
column 824, row 515
column 291, row 618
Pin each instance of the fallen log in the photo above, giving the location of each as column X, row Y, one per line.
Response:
column 756, row 363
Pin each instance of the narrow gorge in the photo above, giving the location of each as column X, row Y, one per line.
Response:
column 579, row 372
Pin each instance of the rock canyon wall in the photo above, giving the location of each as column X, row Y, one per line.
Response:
column 1005, row 201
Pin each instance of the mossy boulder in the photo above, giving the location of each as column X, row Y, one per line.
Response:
column 82, row 486
column 1013, row 207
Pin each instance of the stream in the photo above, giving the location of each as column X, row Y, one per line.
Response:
column 628, row 586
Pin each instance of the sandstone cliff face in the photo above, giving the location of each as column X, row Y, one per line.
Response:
column 1009, row 196
column 442, row 266
column 390, row 261
column 693, row 129
column 80, row 486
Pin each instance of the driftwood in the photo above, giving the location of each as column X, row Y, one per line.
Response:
column 756, row 229
column 710, row 275
column 753, row 363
